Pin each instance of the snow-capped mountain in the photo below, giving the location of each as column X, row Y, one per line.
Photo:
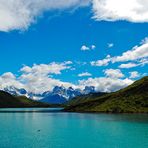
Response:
column 58, row 95
column 15, row 91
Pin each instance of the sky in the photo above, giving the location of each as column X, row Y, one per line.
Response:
column 78, row 43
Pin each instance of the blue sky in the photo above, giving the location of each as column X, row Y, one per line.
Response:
column 58, row 36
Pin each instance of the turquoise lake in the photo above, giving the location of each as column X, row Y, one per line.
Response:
column 50, row 128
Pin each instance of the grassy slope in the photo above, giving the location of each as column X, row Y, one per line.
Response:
column 84, row 98
column 133, row 99
column 7, row 100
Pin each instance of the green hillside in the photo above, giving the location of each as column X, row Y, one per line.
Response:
column 84, row 98
column 133, row 99
column 8, row 101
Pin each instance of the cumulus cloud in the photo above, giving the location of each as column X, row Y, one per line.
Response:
column 138, row 52
column 114, row 80
column 86, row 48
column 113, row 73
column 85, row 74
column 128, row 65
column 8, row 76
column 134, row 74
column 20, row 14
column 52, row 68
column 93, row 47
column 140, row 62
column 41, row 83
column 143, row 61
column 145, row 40
column 104, row 84
column 36, row 79
column 110, row 45
column 103, row 62
column 137, row 56
column 9, row 79
column 39, row 78
column 113, row 10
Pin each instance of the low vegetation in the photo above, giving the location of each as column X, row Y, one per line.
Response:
column 133, row 99
column 9, row 101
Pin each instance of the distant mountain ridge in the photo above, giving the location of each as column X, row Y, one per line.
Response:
column 132, row 99
column 62, row 95
column 58, row 95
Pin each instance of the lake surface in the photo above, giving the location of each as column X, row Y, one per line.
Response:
column 50, row 128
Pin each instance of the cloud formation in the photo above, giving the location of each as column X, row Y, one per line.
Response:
column 45, row 69
column 134, row 74
column 9, row 79
column 113, row 10
column 86, row 48
column 40, row 78
column 128, row 65
column 103, row 62
column 103, row 84
column 36, row 79
column 110, row 45
column 136, row 53
column 137, row 56
column 20, row 14
column 85, row 74
column 114, row 73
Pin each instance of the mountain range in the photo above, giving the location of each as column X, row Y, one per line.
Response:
column 58, row 95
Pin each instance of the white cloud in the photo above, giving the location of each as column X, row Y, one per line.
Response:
column 112, row 82
column 143, row 61
column 26, row 69
column 8, row 75
column 110, row 45
column 103, row 84
column 103, row 62
column 68, row 62
column 41, row 83
column 138, row 52
column 93, row 47
column 108, row 56
column 9, row 79
column 134, row 74
column 38, row 78
column 113, row 73
column 112, row 10
column 20, row 14
column 52, row 68
column 128, row 65
column 145, row 40
column 137, row 56
column 85, row 48
column 85, row 74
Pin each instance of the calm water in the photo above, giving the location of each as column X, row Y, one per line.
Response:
column 45, row 128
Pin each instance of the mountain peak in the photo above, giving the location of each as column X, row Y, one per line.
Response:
column 59, row 93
